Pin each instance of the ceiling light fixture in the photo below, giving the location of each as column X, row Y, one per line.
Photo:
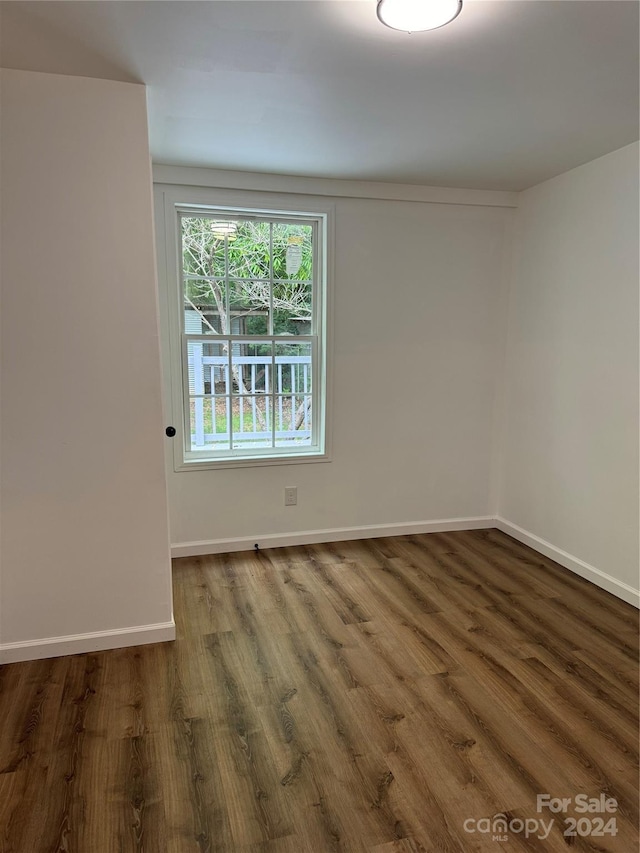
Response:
column 413, row 16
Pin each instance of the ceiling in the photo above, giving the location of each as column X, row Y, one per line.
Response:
column 509, row 94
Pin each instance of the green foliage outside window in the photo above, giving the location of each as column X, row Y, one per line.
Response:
column 235, row 279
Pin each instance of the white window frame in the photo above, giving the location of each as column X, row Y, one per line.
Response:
column 171, row 203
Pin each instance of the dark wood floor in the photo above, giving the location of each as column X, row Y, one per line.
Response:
column 359, row 696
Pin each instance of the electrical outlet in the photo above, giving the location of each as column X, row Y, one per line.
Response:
column 291, row 496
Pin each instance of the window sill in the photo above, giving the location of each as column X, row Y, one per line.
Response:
column 250, row 462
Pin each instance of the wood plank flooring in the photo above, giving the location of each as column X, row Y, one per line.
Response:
column 381, row 695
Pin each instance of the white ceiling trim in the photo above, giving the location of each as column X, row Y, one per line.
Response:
column 257, row 181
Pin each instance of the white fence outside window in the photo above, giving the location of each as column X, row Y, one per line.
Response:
column 248, row 400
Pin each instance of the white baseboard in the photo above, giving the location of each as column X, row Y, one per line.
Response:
column 604, row 581
column 52, row 647
column 371, row 531
column 166, row 631
column 334, row 534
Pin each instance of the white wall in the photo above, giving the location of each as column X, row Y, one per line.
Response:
column 85, row 540
column 84, row 546
column 417, row 339
column 569, row 472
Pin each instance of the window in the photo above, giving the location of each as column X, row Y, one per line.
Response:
column 251, row 328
